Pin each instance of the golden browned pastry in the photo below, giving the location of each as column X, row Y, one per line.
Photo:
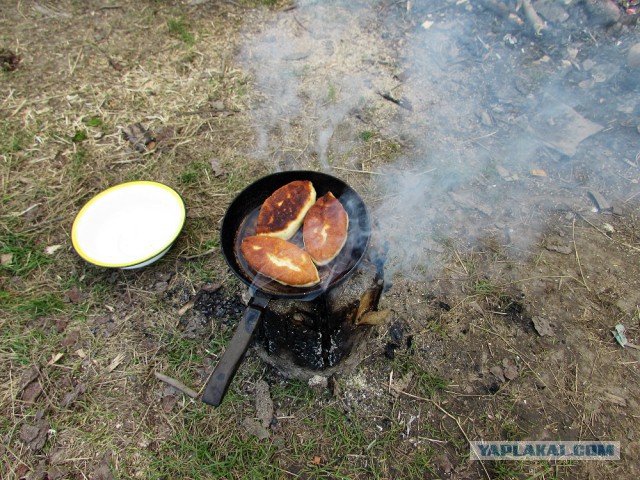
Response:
column 280, row 260
column 325, row 229
column 283, row 212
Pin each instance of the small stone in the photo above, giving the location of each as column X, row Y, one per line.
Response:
column 633, row 57
column 318, row 382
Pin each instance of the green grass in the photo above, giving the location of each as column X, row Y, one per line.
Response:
column 21, row 256
column 205, row 449
column 92, row 121
column 484, row 287
column 193, row 174
column 366, row 135
column 178, row 28
column 17, row 344
column 13, row 138
column 80, row 135
column 332, row 94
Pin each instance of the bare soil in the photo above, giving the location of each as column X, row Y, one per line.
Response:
column 501, row 170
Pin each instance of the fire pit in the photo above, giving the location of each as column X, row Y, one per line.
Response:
column 327, row 334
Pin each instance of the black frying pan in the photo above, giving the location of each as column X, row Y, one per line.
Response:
column 239, row 221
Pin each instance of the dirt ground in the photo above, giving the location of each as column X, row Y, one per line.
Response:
column 498, row 156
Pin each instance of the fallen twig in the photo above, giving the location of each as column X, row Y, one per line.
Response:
column 176, row 384
column 357, row 171
column 401, row 102
column 575, row 249
column 533, row 18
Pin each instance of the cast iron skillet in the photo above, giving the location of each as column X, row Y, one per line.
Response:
column 239, row 222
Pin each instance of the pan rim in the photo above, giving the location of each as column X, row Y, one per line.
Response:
column 279, row 179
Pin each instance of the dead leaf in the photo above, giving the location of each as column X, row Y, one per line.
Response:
column 31, row 393
column 217, row 169
column 316, row 460
column 443, row 464
column 542, row 326
column 399, row 386
column 51, row 249
column 28, row 376
column 35, row 436
column 103, row 472
column 498, row 373
column 141, row 138
column 6, row 259
column 71, row 396
column 374, row 318
column 76, row 296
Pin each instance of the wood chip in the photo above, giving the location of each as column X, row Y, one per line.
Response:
column 115, row 362
column 55, row 358
column 538, row 172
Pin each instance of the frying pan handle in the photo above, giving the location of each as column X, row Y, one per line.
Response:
column 224, row 372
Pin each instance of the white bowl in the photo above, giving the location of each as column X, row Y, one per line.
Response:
column 128, row 226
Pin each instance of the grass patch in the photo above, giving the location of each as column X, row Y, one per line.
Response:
column 178, row 28
column 366, row 135
column 93, row 121
column 206, row 449
column 17, row 344
column 20, row 256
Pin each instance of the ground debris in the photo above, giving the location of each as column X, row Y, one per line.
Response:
column 141, row 138
column 509, row 369
column 35, row 436
column 264, row 403
column 559, row 126
column 542, row 326
column 396, row 387
column 72, row 396
column 103, row 471
column 401, row 102
column 8, row 60
column 255, row 428
column 374, row 318
column 28, row 376
column 31, row 393
column 497, row 372
column 176, row 384
column 600, row 202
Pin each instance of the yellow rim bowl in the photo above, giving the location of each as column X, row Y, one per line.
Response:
column 128, row 226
